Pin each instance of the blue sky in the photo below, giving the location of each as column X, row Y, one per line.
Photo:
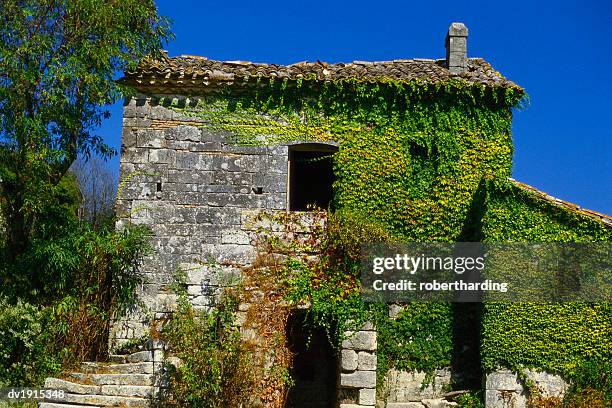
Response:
column 559, row 51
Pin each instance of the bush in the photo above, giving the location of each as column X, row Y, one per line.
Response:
column 588, row 397
column 27, row 354
column 470, row 400
column 213, row 367
column 593, row 377
column 85, row 278
column 61, row 292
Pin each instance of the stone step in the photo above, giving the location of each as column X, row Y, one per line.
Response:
column 117, row 358
column 72, row 387
column 126, row 390
column 110, row 368
column 58, row 405
column 113, row 379
column 140, row 357
column 143, row 391
column 102, row 400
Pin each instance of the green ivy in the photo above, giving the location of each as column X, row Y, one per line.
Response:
column 555, row 337
column 426, row 162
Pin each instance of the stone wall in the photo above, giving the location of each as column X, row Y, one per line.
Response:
column 192, row 187
column 403, row 389
column 503, row 388
column 198, row 192
column 358, row 368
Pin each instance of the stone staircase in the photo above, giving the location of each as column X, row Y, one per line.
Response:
column 126, row 381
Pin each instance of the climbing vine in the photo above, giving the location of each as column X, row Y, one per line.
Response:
column 555, row 337
column 417, row 161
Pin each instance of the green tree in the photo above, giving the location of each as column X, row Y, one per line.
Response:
column 58, row 62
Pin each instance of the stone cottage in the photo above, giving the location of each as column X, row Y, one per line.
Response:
column 185, row 176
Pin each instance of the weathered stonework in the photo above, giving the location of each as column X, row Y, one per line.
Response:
column 503, row 388
column 358, row 368
column 402, row 387
column 194, row 189
column 199, row 193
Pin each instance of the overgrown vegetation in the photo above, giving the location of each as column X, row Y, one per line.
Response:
column 61, row 294
column 63, row 278
column 417, row 162
column 425, row 162
column 412, row 156
column 212, row 370
column 470, row 400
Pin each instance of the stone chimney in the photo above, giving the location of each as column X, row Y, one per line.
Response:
column 456, row 48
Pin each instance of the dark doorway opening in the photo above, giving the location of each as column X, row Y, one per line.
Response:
column 311, row 176
column 466, row 364
column 314, row 365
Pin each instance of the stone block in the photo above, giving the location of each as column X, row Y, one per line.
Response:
column 405, row 405
column 135, row 155
column 141, row 356
column 206, row 147
column 193, row 161
column 438, row 403
column 348, row 360
column 136, row 122
column 188, row 176
column 235, row 237
column 240, row 254
column 271, row 182
column 550, row 385
column 72, row 387
column 279, row 150
column 160, row 113
column 233, row 178
column 367, row 396
column 503, row 380
column 129, row 390
column 361, row 340
column 166, row 156
column 505, row 399
column 503, row 387
column 366, row 361
column 403, row 386
column 277, row 164
column 275, row 201
column 150, row 139
column 395, row 310
column 128, row 138
column 253, row 150
column 218, row 216
column 358, row 379
column 184, row 133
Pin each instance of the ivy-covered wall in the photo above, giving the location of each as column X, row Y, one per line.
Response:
column 412, row 159
column 417, row 162
column 554, row 337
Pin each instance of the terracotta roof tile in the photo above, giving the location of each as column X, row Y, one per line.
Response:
column 201, row 72
column 606, row 219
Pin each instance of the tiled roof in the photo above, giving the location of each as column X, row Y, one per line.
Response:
column 193, row 72
column 606, row 219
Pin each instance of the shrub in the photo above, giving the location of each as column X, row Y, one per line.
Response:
column 470, row 400
column 587, row 397
column 212, row 369
column 26, row 351
column 592, row 381
column 87, row 278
